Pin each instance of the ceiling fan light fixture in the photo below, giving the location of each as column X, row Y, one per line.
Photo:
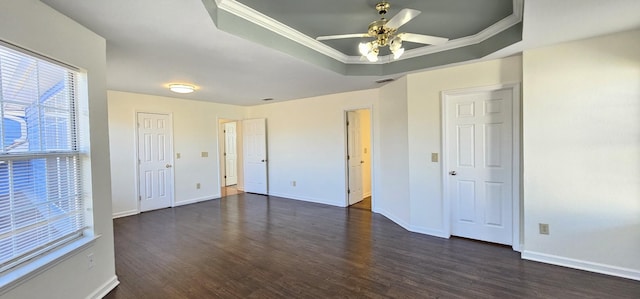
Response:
column 385, row 32
column 397, row 53
column 182, row 88
column 364, row 48
column 372, row 56
column 395, row 44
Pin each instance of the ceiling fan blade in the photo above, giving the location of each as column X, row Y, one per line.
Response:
column 422, row 39
column 341, row 36
column 402, row 18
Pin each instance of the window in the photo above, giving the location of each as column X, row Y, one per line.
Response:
column 41, row 205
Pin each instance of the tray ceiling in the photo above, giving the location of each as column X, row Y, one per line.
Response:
column 475, row 28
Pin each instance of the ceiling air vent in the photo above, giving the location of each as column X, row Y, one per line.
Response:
column 267, row 99
column 385, row 80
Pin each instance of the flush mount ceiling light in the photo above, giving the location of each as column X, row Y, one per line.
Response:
column 182, row 88
column 385, row 33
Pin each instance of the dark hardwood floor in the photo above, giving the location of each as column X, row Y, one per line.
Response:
column 364, row 204
column 252, row 246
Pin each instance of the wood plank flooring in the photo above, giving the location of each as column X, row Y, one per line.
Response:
column 364, row 204
column 253, row 246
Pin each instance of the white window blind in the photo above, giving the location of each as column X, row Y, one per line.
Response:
column 41, row 206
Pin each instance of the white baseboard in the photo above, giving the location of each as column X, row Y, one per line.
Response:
column 195, row 200
column 393, row 218
column 429, row 231
column 365, row 195
column 414, row 228
column 581, row 265
column 308, row 199
column 105, row 288
column 125, row 214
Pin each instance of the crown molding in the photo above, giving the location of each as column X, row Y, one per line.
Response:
column 236, row 8
column 256, row 17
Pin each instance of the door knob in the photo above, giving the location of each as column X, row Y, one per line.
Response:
column 168, row 166
column 453, row 172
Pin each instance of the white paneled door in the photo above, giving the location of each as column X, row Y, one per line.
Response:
column 479, row 133
column 354, row 157
column 155, row 161
column 230, row 154
column 254, row 138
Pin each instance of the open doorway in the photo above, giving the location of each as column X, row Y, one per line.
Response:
column 358, row 132
column 230, row 157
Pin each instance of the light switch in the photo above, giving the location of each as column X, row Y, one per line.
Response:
column 205, row 154
column 177, row 155
column 434, row 157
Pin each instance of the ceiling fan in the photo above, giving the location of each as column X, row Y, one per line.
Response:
column 385, row 33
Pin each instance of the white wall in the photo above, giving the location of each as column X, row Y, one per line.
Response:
column 391, row 180
column 424, row 130
column 195, row 130
column 306, row 143
column 582, row 153
column 35, row 26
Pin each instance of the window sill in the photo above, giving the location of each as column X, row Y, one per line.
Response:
column 20, row 274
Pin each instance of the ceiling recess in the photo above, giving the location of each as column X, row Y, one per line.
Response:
column 476, row 28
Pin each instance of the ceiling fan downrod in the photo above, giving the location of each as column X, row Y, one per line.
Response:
column 383, row 7
column 378, row 29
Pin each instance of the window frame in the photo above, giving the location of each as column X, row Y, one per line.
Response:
column 34, row 263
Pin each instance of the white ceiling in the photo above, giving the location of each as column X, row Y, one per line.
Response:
column 153, row 43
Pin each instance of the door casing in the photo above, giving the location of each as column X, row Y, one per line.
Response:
column 516, row 160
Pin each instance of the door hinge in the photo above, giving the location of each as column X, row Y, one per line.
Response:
column 224, row 131
column 347, row 123
column 225, row 154
column 348, row 191
column 225, row 176
column 348, row 157
column 139, row 161
column 140, row 197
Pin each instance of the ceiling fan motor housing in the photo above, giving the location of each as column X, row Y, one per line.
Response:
column 382, row 33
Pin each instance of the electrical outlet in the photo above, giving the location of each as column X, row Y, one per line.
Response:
column 293, row 183
column 91, row 262
column 544, row 228
column 205, row 154
column 197, row 185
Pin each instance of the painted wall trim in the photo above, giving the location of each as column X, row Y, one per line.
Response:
column 414, row 228
column 255, row 17
column 105, row 288
column 125, row 214
column 307, row 199
column 429, row 231
column 581, row 265
column 196, row 200
column 395, row 219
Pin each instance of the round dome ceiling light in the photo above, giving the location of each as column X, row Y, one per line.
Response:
column 182, row 88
